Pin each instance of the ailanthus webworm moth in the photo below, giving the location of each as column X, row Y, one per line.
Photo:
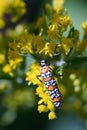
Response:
column 50, row 83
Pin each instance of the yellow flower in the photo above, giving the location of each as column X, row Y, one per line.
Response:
column 53, row 32
column 42, row 108
column 39, row 90
column 84, row 25
column 7, row 69
column 52, row 115
column 67, row 45
column 40, row 101
column 58, row 24
column 48, row 49
column 65, row 21
column 15, row 63
column 37, row 44
column 31, row 75
column 14, row 59
column 25, row 43
column 46, row 97
column 62, row 21
column 50, row 105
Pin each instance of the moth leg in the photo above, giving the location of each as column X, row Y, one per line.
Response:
column 51, row 69
column 39, row 78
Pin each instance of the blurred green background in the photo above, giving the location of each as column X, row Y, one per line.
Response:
column 26, row 119
column 77, row 10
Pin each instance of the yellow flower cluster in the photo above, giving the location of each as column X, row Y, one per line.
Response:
column 50, row 34
column 14, row 62
column 44, row 104
column 13, row 8
column 28, row 43
column 59, row 24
